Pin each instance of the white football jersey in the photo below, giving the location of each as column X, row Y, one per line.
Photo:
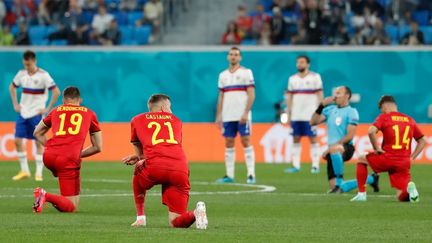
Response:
column 234, row 85
column 304, row 91
column 34, row 91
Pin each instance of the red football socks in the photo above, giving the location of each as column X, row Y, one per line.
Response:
column 139, row 195
column 361, row 174
column 184, row 221
column 404, row 196
column 61, row 203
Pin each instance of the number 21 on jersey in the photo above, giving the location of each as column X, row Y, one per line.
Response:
column 155, row 139
column 75, row 121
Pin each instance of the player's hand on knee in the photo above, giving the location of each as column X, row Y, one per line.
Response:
column 130, row 160
column 379, row 151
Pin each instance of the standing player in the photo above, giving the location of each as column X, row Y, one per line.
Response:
column 160, row 159
column 34, row 82
column 394, row 156
column 342, row 120
column 70, row 124
column 304, row 93
column 233, row 115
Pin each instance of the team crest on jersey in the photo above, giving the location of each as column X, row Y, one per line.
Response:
column 237, row 77
column 35, row 81
column 338, row 121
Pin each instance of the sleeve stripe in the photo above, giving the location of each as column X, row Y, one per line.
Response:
column 16, row 86
column 52, row 87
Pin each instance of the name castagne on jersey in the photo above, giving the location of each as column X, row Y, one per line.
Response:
column 158, row 117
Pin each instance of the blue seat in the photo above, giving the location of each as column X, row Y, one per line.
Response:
column 14, row 30
column 59, row 42
column 142, row 34
column 427, row 34
column 51, row 29
column 88, row 16
column 393, row 33
column 126, row 33
column 134, row 16
column 249, row 42
column 121, row 17
column 37, row 33
column 421, row 17
column 403, row 30
column 266, row 4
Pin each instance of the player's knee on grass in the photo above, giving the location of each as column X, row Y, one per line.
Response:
column 402, row 195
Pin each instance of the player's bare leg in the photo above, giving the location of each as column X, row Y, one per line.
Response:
column 39, row 162
column 229, row 161
column 315, row 155
column 249, row 159
column 296, row 155
column 22, row 158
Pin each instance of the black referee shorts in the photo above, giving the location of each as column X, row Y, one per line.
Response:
column 347, row 155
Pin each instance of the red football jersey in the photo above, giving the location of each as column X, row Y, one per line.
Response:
column 398, row 131
column 160, row 134
column 70, row 125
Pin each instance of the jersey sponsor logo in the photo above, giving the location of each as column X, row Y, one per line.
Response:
column 338, row 121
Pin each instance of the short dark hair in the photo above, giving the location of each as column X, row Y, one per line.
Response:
column 235, row 48
column 29, row 55
column 305, row 57
column 155, row 98
column 71, row 92
column 348, row 91
column 386, row 99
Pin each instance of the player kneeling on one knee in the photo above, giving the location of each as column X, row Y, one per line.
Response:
column 394, row 156
column 70, row 124
column 159, row 159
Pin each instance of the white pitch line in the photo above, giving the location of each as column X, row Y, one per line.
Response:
column 258, row 189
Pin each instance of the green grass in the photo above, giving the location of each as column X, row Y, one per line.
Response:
column 298, row 211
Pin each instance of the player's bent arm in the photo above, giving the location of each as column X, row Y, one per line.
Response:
column 316, row 119
column 95, row 147
column 40, row 131
column 421, row 143
column 54, row 98
column 351, row 130
column 373, row 130
column 13, row 95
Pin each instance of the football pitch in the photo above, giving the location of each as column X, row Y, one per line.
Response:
column 280, row 208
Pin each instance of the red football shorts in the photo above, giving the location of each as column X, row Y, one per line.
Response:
column 67, row 171
column 399, row 170
column 175, row 186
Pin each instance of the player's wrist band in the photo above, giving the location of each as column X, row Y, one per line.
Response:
column 320, row 109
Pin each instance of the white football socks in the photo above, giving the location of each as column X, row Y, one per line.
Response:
column 230, row 161
column 39, row 165
column 315, row 155
column 296, row 152
column 250, row 160
column 22, row 158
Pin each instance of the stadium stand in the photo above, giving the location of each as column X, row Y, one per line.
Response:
column 337, row 22
column 58, row 23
